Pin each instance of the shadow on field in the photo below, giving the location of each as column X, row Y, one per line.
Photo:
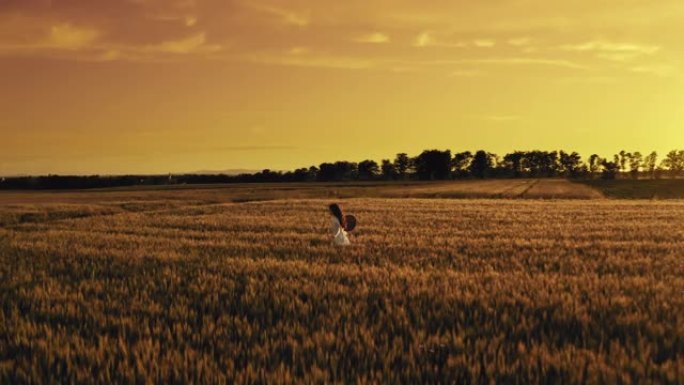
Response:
column 639, row 189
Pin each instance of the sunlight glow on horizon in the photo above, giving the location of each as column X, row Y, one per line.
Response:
column 94, row 86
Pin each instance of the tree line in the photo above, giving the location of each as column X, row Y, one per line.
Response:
column 428, row 165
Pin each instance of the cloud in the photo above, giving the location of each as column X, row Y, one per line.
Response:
column 530, row 61
column 484, row 43
column 468, row 73
column 298, row 51
column 190, row 21
column 423, row 39
column 613, row 51
column 427, row 39
column 663, row 70
column 67, row 36
column 57, row 39
column 586, row 80
column 309, row 60
column 190, row 44
column 509, row 61
column 286, row 16
column 373, row 38
column 519, row 41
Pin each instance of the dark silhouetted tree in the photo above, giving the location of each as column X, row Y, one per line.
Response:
column 327, row 172
column 337, row 171
column 347, row 170
column 594, row 164
column 368, row 169
column 622, row 158
column 514, row 163
column 651, row 163
column 610, row 169
column 570, row 164
column 402, row 164
column 541, row 163
column 481, row 164
column 388, row 170
column 303, row 175
column 460, row 164
column 636, row 160
column 433, row 164
column 674, row 162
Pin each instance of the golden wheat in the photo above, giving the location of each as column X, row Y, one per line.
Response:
column 432, row 291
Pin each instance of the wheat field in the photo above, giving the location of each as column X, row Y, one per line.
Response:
column 434, row 291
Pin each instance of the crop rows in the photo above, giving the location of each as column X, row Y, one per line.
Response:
column 432, row 291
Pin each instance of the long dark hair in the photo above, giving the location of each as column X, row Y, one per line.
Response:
column 336, row 211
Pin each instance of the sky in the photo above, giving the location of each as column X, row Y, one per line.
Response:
column 159, row 86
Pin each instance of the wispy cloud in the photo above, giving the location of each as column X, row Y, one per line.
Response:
column 663, row 70
column 530, row 61
column 423, row 39
column 373, row 38
column 190, row 44
column 311, row 60
column 467, row 73
column 519, row 41
column 427, row 39
column 613, row 51
column 68, row 36
column 56, row 37
column 511, row 61
column 484, row 43
column 299, row 51
column 290, row 17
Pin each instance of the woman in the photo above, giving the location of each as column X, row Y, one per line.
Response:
column 338, row 225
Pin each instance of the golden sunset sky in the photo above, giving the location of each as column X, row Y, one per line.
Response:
column 156, row 86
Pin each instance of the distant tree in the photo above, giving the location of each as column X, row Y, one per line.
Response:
column 268, row 176
column 635, row 162
column 388, row 170
column 433, row 164
column 541, row 163
column 402, row 163
column 302, row 175
column 622, row 159
column 674, row 162
column 650, row 164
column 368, row 169
column 594, row 164
column 610, row 169
column 498, row 165
column 570, row 164
column 514, row 163
column 313, row 172
column 481, row 164
column 347, row 170
column 338, row 171
column 327, row 172
column 551, row 163
column 461, row 163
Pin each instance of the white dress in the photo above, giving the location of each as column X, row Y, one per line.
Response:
column 340, row 236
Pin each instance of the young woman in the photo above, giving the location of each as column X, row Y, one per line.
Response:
column 338, row 225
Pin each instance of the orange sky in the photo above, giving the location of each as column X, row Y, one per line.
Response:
column 155, row 86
